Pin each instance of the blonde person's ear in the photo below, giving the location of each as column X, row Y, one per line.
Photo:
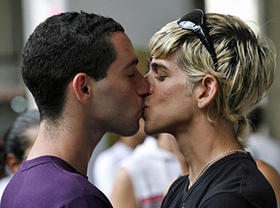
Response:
column 207, row 91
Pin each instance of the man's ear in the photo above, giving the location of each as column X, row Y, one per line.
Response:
column 208, row 89
column 81, row 86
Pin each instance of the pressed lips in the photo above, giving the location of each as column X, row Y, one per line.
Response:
column 144, row 110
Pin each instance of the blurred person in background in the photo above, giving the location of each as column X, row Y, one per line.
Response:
column 81, row 69
column 107, row 162
column 259, row 144
column 264, row 149
column 17, row 143
column 2, row 164
column 207, row 72
column 145, row 175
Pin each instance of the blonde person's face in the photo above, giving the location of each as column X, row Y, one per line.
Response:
column 169, row 106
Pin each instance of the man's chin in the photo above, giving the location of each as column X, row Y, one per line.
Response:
column 129, row 131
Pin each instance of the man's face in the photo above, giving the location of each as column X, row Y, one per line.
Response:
column 118, row 101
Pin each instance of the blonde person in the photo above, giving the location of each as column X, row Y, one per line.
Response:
column 207, row 72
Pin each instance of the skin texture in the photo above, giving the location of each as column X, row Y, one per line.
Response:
column 93, row 108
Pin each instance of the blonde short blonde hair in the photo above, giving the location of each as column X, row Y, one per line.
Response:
column 245, row 63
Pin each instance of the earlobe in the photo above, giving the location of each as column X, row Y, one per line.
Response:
column 208, row 90
column 81, row 87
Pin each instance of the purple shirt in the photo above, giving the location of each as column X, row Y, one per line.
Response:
column 50, row 182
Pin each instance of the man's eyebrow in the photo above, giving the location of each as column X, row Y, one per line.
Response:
column 133, row 62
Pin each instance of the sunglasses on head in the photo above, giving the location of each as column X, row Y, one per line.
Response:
column 195, row 22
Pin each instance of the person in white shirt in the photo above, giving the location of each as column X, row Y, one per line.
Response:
column 107, row 162
column 145, row 175
column 259, row 144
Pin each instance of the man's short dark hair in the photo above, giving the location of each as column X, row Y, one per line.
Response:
column 61, row 47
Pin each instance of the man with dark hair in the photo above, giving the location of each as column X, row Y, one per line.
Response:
column 81, row 70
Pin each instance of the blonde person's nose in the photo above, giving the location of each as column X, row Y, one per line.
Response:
column 148, row 78
column 143, row 87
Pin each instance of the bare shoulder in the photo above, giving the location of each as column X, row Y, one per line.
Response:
column 267, row 170
column 123, row 192
column 123, row 179
column 271, row 174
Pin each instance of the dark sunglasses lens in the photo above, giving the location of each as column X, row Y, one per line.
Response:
column 195, row 17
column 194, row 21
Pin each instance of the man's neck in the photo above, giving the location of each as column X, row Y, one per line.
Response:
column 72, row 143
